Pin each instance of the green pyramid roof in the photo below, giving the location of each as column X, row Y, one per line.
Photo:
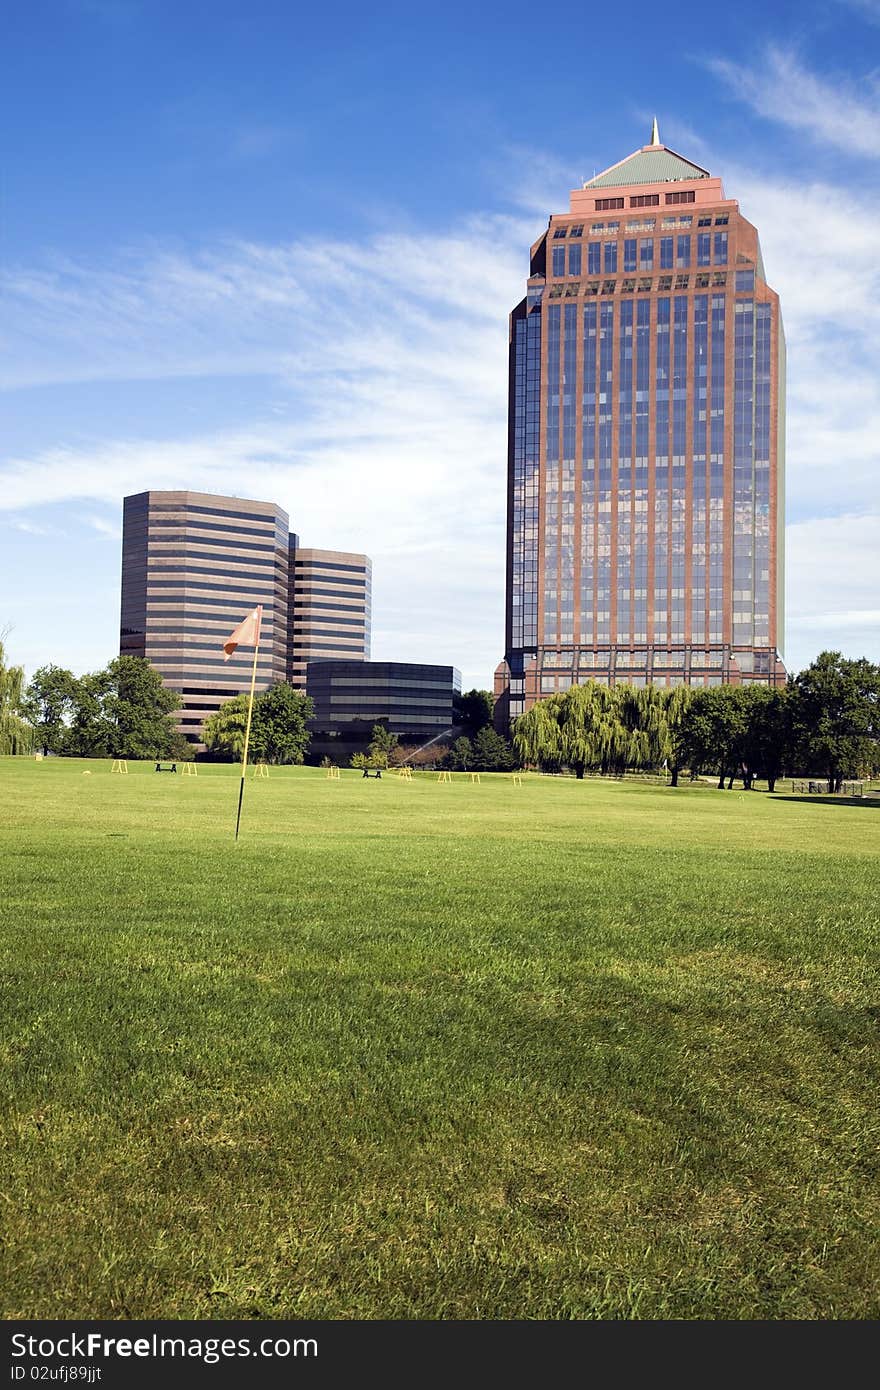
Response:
column 652, row 164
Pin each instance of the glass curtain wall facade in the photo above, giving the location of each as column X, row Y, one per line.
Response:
column 413, row 701
column 193, row 565
column 646, row 443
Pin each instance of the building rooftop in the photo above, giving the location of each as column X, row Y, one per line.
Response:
column 653, row 163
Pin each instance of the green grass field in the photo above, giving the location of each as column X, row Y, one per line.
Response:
column 569, row 1050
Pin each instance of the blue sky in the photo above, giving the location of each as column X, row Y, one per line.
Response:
column 270, row 250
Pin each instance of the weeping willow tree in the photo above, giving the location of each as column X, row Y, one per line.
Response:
column 16, row 735
column 579, row 728
column 676, row 703
column 600, row 728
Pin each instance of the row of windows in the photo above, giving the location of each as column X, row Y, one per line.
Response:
column 163, row 507
column 346, row 642
column 638, row 224
column 715, row 280
column 186, row 544
column 200, row 564
column 351, row 685
column 184, row 585
column 305, row 621
column 188, row 608
column 645, row 200
column 305, row 568
column 265, row 663
column 406, row 722
column 672, row 253
column 660, row 659
column 174, row 524
column 304, row 583
column 320, row 609
column 440, row 702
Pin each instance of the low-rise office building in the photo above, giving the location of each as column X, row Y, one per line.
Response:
column 412, row 700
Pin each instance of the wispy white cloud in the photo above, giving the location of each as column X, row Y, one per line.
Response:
column 831, row 580
column 383, row 427
column 111, row 529
column 824, row 265
column 262, row 139
column 869, row 8
column 538, row 182
column 29, row 528
column 836, row 110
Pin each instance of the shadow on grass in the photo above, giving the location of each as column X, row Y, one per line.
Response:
column 867, row 803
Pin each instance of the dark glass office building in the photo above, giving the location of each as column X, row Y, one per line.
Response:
column 193, row 565
column 646, row 442
column 413, row 701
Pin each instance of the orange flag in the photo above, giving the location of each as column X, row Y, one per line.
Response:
column 247, row 634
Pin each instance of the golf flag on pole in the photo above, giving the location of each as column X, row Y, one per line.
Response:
column 247, row 634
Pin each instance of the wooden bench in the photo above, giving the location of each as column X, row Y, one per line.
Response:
column 172, row 768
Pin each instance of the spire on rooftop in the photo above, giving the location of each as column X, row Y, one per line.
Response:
column 655, row 133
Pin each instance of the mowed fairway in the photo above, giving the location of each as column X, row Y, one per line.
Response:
column 569, row 1050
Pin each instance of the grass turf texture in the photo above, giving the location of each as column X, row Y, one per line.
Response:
column 408, row 1050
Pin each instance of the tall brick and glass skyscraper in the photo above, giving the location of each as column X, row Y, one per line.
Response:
column 646, row 442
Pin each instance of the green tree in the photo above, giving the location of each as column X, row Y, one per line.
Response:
column 579, row 728
column 605, row 729
column 643, row 714
column 16, row 733
column 278, row 726
column 714, row 730
column 676, row 701
column 491, row 752
column 473, row 710
column 460, row 756
column 49, row 702
column 836, row 717
column 89, row 733
column 381, row 746
column 279, row 731
column 768, row 737
column 223, row 731
column 136, row 707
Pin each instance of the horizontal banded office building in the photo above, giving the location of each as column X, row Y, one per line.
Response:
column 330, row 607
column 193, row 564
column 412, row 700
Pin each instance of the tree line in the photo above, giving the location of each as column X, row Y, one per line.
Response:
column 121, row 711
column 824, row 721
